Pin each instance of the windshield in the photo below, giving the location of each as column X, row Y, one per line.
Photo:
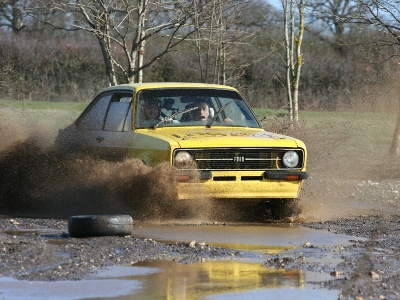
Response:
column 192, row 107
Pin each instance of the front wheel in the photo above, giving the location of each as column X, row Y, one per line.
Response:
column 284, row 208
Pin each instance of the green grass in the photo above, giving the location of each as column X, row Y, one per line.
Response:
column 32, row 117
column 337, row 132
column 42, row 105
column 341, row 135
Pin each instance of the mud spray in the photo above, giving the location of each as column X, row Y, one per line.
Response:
column 350, row 170
column 36, row 180
column 351, row 173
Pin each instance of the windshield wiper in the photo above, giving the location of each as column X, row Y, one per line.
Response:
column 216, row 114
column 170, row 118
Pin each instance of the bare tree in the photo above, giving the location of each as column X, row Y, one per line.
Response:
column 337, row 15
column 293, row 22
column 220, row 39
column 12, row 14
column 123, row 28
column 384, row 15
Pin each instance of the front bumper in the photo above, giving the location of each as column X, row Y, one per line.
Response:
column 242, row 185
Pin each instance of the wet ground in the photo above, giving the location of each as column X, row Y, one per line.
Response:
column 345, row 244
column 330, row 260
column 177, row 261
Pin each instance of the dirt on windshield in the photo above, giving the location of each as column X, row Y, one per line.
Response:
column 346, row 193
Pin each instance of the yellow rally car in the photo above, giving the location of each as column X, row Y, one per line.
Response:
column 199, row 128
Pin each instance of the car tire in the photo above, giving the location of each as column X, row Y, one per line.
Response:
column 100, row 225
column 284, row 208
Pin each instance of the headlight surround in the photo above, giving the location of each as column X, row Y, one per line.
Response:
column 183, row 160
column 290, row 159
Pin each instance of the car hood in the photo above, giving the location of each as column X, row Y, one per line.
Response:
column 223, row 137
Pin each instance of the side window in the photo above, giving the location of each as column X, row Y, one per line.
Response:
column 108, row 112
column 93, row 117
column 119, row 114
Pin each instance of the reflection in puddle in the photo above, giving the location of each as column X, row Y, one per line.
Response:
column 168, row 280
column 158, row 279
column 250, row 247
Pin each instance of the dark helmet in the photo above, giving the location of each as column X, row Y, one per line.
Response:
column 152, row 102
column 169, row 101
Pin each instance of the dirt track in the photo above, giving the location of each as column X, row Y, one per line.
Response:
column 370, row 269
column 34, row 254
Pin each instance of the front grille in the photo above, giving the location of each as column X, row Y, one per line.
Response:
column 242, row 158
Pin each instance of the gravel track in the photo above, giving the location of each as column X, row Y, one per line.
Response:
column 40, row 249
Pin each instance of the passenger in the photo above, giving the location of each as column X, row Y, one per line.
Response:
column 151, row 110
column 167, row 109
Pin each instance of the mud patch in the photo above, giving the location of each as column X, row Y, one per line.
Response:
column 350, row 169
column 37, row 179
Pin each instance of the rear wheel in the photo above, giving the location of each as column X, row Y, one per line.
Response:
column 284, row 208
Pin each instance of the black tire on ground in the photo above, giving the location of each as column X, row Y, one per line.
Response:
column 100, row 225
column 284, row 208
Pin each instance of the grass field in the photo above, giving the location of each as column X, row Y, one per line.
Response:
column 45, row 117
column 364, row 131
column 45, row 105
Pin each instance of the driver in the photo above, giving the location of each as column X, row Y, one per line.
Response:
column 202, row 113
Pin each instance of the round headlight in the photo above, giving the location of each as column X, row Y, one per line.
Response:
column 183, row 159
column 290, row 159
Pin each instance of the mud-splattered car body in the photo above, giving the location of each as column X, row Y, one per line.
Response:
column 233, row 157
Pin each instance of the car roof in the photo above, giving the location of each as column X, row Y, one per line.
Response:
column 158, row 85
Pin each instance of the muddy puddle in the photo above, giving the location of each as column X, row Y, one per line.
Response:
column 268, row 238
column 169, row 280
column 158, row 279
column 216, row 280
column 242, row 277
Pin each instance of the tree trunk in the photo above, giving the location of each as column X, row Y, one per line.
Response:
column 395, row 148
column 289, row 56
column 140, row 61
column 294, row 56
column 299, row 64
column 137, row 52
column 108, row 62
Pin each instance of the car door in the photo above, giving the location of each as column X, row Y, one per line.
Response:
column 105, row 127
